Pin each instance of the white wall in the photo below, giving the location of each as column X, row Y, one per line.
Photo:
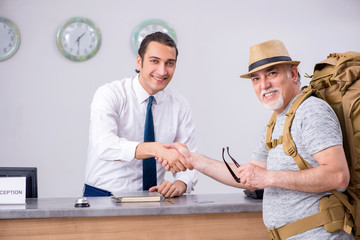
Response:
column 45, row 98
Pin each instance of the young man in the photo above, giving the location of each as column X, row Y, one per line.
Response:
column 289, row 194
column 117, row 124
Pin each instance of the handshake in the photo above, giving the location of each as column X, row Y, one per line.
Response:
column 175, row 157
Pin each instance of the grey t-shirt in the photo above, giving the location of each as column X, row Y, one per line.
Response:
column 315, row 127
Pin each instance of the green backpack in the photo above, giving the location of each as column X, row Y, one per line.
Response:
column 336, row 80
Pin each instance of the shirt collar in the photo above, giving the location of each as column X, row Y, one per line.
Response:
column 141, row 94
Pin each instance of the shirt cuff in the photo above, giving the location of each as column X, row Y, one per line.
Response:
column 189, row 177
column 129, row 154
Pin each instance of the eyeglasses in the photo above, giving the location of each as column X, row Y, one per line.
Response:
column 227, row 165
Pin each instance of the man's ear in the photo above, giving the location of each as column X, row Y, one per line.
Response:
column 138, row 62
column 294, row 73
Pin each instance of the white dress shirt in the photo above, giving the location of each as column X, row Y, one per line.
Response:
column 117, row 120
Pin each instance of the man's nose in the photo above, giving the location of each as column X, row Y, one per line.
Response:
column 265, row 84
column 162, row 69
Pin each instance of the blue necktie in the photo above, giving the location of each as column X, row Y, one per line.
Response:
column 149, row 164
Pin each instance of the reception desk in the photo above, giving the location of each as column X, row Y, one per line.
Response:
column 207, row 216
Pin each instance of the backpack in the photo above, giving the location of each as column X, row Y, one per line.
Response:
column 336, row 80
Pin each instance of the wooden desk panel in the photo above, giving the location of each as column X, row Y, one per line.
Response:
column 245, row 225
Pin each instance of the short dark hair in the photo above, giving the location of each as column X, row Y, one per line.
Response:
column 159, row 37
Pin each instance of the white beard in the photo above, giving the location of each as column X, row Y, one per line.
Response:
column 275, row 105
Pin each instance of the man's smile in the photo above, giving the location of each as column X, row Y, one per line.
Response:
column 159, row 78
column 268, row 94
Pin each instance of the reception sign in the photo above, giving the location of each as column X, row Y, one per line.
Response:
column 12, row 190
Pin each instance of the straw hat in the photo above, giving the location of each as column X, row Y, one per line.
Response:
column 267, row 54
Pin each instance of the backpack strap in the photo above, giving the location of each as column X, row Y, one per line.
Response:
column 288, row 143
column 269, row 131
column 304, row 224
column 349, row 208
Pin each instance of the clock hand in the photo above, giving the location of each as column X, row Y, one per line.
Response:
column 78, row 39
column 81, row 35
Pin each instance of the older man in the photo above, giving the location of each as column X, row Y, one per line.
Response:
column 289, row 194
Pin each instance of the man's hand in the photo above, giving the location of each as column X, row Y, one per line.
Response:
column 253, row 176
column 182, row 150
column 173, row 160
column 168, row 189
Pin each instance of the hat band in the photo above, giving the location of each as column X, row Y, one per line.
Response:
column 268, row 60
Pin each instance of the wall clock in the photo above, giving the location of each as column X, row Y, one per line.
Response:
column 9, row 39
column 78, row 39
column 150, row 26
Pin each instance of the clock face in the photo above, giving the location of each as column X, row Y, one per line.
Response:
column 150, row 26
column 78, row 39
column 9, row 39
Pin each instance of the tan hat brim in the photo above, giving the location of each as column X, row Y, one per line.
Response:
column 248, row 75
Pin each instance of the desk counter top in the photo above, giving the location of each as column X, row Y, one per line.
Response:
column 106, row 207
